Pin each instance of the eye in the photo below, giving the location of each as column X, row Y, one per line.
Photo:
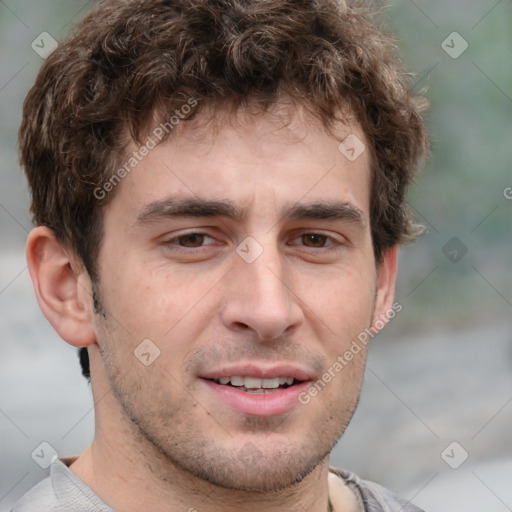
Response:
column 191, row 240
column 317, row 240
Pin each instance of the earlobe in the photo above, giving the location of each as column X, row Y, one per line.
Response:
column 59, row 284
column 386, row 277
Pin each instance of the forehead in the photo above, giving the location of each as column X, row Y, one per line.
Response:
column 278, row 157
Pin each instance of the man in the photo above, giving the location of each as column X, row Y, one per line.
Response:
column 218, row 188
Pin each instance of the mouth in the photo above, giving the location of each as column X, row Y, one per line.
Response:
column 256, row 391
column 257, row 385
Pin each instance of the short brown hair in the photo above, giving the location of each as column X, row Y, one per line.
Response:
column 131, row 63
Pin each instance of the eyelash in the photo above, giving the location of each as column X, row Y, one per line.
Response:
column 170, row 243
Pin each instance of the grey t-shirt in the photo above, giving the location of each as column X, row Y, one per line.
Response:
column 62, row 491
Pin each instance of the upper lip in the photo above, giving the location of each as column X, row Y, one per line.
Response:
column 258, row 371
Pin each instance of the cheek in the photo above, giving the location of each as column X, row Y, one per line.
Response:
column 154, row 302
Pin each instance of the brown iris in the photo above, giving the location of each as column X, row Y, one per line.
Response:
column 191, row 240
column 315, row 239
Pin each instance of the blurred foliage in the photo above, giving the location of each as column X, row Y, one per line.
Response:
column 460, row 191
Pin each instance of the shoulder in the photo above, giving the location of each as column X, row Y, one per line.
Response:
column 62, row 491
column 40, row 498
column 375, row 497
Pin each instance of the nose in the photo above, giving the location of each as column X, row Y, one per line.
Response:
column 260, row 298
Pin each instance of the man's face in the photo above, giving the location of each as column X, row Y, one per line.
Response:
column 176, row 268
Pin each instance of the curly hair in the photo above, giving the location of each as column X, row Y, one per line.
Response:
column 130, row 64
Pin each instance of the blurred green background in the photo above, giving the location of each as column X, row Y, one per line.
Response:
column 461, row 191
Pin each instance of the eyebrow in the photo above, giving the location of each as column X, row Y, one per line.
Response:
column 189, row 207
column 173, row 207
column 325, row 210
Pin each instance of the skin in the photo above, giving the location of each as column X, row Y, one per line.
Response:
column 164, row 440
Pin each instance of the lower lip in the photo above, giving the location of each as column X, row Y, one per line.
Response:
column 258, row 404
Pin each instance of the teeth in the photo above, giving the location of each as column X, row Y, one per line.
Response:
column 255, row 383
column 270, row 383
column 237, row 381
column 252, row 383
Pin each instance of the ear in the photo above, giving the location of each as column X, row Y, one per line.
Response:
column 62, row 287
column 385, row 293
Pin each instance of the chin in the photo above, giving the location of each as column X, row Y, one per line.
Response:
column 255, row 467
column 261, row 476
